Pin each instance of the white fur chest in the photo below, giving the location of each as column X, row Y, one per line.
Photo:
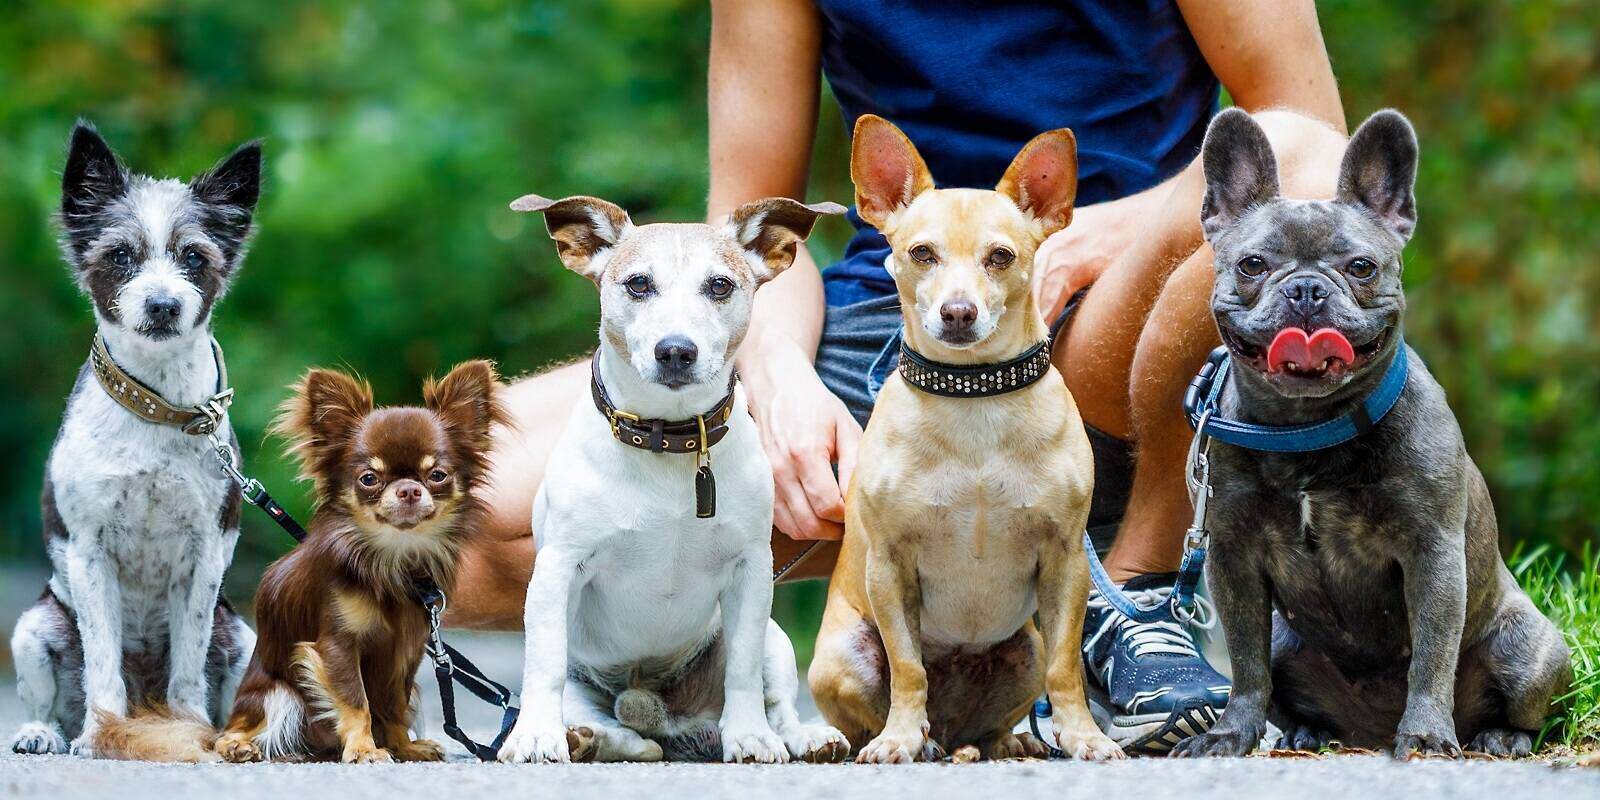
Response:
column 148, row 498
column 650, row 588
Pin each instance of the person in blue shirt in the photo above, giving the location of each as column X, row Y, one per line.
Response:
column 970, row 83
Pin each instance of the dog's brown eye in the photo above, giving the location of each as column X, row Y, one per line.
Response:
column 438, row 476
column 1361, row 268
column 923, row 254
column 1001, row 258
column 368, row 479
column 719, row 288
column 1252, row 266
column 640, row 286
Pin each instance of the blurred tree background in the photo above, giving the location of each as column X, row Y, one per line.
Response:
column 396, row 133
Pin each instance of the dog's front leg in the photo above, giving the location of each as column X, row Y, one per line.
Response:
column 192, row 604
column 895, row 594
column 540, row 734
column 1063, row 594
column 1435, row 570
column 746, row 606
column 1244, row 600
column 97, row 603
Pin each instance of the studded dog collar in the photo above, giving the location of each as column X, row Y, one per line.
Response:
column 975, row 380
column 695, row 435
column 148, row 404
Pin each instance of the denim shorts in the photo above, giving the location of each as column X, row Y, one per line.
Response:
column 860, row 347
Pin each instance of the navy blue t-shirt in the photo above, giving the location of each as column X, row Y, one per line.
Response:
column 972, row 82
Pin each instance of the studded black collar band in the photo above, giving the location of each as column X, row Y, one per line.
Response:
column 975, row 380
column 149, row 405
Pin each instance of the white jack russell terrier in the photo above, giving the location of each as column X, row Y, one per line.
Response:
column 648, row 617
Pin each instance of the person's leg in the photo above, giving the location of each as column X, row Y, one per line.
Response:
column 492, row 580
column 1144, row 330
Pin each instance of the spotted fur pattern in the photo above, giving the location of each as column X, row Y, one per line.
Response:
column 139, row 524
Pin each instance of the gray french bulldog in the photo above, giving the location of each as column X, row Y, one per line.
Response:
column 1360, row 586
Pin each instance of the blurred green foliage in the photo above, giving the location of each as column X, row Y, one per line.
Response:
column 396, row 133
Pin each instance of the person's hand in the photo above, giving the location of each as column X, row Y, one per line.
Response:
column 805, row 429
column 1074, row 256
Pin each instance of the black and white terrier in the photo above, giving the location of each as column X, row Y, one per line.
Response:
column 139, row 523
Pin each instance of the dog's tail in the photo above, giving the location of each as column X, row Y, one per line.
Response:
column 155, row 733
column 640, row 708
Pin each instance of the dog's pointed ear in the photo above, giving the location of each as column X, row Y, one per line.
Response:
column 93, row 176
column 231, row 189
column 320, row 419
column 1241, row 172
column 886, row 168
column 772, row 230
column 582, row 227
column 1043, row 179
column 234, row 181
column 467, row 400
column 1379, row 171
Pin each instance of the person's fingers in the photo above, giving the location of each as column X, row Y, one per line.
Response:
column 847, row 437
column 803, row 517
column 821, row 487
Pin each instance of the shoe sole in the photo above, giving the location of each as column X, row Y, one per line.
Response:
column 1150, row 734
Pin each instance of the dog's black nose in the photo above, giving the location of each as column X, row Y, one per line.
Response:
column 1306, row 294
column 163, row 309
column 958, row 315
column 676, row 352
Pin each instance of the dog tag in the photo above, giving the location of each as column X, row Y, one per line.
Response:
column 705, row 493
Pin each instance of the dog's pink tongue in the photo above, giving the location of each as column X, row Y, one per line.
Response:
column 1292, row 345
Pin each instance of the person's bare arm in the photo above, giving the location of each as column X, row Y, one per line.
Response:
column 1268, row 54
column 763, row 89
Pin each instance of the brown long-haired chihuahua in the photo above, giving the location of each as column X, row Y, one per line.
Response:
column 341, row 633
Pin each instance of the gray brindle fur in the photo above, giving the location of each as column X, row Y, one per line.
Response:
column 1361, row 586
column 139, row 523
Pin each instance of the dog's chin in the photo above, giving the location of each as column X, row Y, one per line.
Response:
column 955, row 340
column 407, row 523
column 1303, row 381
column 158, row 333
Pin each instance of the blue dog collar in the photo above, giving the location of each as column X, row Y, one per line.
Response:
column 1206, row 390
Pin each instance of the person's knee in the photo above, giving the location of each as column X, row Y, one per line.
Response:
column 1308, row 151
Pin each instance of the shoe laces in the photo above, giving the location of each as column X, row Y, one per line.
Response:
column 1162, row 637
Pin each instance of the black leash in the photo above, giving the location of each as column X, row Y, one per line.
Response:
column 450, row 667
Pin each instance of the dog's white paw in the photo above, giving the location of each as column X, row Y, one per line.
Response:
column 817, row 744
column 901, row 747
column 533, row 743
column 39, row 738
column 84, row 744
column 1088, row 746
column 755, row 746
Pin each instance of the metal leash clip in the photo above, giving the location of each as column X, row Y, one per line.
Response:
column 436, row 605
column 1198, row 537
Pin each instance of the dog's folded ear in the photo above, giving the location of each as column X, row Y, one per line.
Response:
column 320, row 419
column 886, row 168
column 582, row 227
column 93, row 177
column 773, row 228
column 1043, row 179
column 467, row 401
column 1241, row 172
column 1379, row 171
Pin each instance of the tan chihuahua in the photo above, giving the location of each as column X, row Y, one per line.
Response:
column 967, row 509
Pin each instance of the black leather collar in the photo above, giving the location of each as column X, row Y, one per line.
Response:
column 691, row 435
column 974, row 380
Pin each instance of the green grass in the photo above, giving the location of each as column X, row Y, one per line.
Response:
column 1570, row 594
